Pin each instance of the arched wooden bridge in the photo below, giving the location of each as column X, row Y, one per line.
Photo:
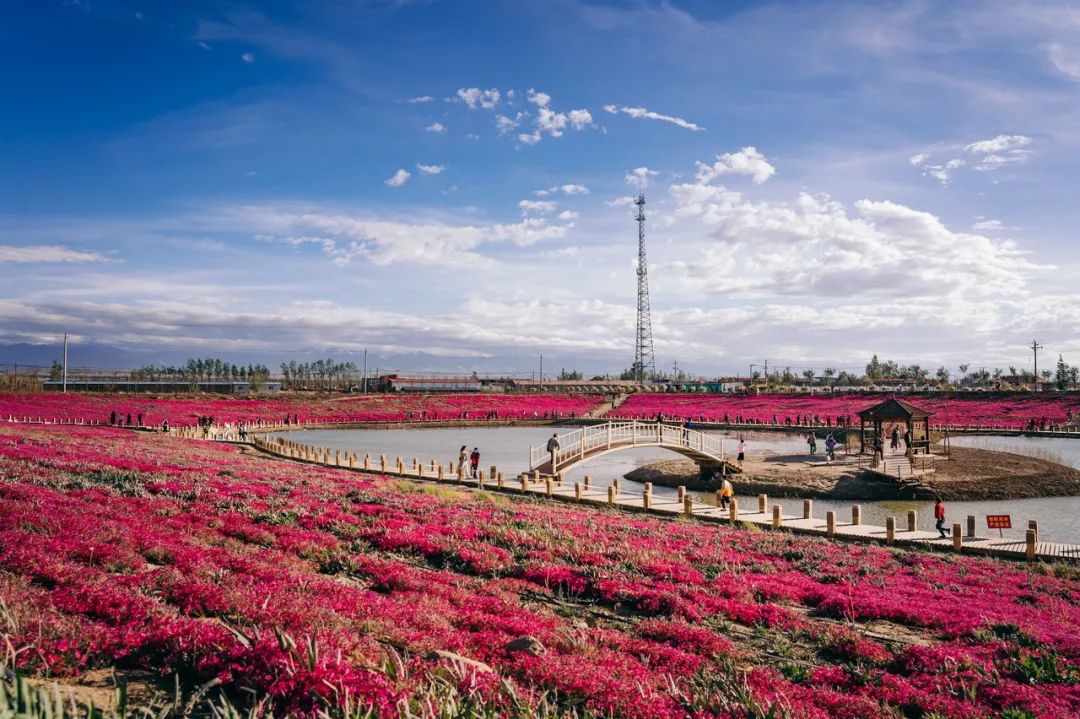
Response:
column 583, row 444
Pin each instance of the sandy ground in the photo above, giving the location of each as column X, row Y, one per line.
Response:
column 970, row 474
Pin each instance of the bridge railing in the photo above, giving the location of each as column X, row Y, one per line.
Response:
column 578, row 443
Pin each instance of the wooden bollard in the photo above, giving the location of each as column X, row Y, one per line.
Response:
column 480, row 479
column 611, row 494
column 441, row 473
column 856, row 514
column 536, row 475
column 890, row 530
column 807, row 509
column 420, row 470
column 588, row 482
column 830, row 523
column 733, row 510
column 970, row 526
column 1030, row 540
column 912, row 520
column 382, row 462
column 493, row 470
column 682, row 492
column 646, row 498
column 762, row 503
column 434, row 466
column 1033, row 525
column 559, row 479
column 776, row 516
column 501, row 480
column 615, row 484
column 550, row 486
column 400, row 466
column 957, row 537
column 524, row 483
column 577, row 491
column 337, row 457
column 352, row 461
column 367, row 460
column 688, row 506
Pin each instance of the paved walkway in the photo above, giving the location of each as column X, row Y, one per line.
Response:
column 760, row 514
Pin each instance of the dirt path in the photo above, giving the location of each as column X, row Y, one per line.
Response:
column 971, row 474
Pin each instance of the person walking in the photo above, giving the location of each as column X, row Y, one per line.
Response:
column 742, row 451
column 726, row 493
column 474, row 462
column 811, row 440
column 830, row 447
column 894, row 443
column 553, row 448
column 879, row 450
column 939, row 515
column 462, row 460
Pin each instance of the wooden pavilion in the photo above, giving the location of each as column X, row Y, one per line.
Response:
column 895, row 411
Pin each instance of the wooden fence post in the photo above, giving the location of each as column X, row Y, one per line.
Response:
column 577, row 491
column 890, row 530
column 970, row 526
column 1029, row 544
column 1033, row 525
column 733, row 510
column 912, row 520
column 688, row 506
column 856, row 514
column 776, row 516
column 762, row 503
column 808, row 509
column 549, row 486
column 830, row 524
column 957, row 537
column 611, row 494
column 682, row 492
column 501, row 480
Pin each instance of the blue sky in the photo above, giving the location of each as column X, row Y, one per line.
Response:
column 824, row 180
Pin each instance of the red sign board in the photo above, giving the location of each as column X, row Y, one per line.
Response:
column 998, row 521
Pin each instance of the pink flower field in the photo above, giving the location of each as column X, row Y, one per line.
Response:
column 312, row 591
column 359, row 408
column 1012, row 409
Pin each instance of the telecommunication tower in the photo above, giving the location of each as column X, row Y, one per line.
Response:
column 644, row 362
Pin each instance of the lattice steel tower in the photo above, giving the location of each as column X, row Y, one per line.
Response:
column 644, row 362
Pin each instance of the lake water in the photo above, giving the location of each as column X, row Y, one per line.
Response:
column 508, row 449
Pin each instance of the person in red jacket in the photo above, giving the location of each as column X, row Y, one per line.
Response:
column 939, row 515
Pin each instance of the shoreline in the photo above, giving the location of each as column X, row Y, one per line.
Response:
column 970, row 475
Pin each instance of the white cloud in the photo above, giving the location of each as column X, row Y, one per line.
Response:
column 640, row 177
column 475, row 97
column 639, row 113
column 1065, row 59
column 505, row 124
column 430, row 169
column 46, row 253
column 568, row 215
column 348, row 237
column 747, row 161
column 625, row 201
column 437, row 127
column 580, row 119
column 987, row 225
column 568, row 189
column 999, row 143
column 919, row 159
column 546, row 120
column 248, row 57
column 538, row 207
column 399, row 178
column 999, row 151
column 419, row 99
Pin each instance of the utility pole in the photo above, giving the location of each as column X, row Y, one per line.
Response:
column 1035, row 347
column 364, row 390
column 541, row 373
column 750, row 377
column 766, row 375
column 676, row 371
column 65, row 362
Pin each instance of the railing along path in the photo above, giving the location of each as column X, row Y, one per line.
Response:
column 578, row 445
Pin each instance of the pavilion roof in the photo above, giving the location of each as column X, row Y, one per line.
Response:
column 893, row 408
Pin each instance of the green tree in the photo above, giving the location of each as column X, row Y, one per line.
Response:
column 1061, row 375
column 56, row 371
